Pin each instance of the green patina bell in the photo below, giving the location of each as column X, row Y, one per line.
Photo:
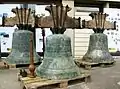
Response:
column 98, row 44
column 58, row 62
column 20, row 53
column 98, row 49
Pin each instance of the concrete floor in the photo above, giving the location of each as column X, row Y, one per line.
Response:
column 8, row 79
column 106, row 78
column 102, row 78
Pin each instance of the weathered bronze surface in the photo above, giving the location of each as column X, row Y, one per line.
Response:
column 20, row 53
column 98, row 44
column 98, row 49
column 58, row 62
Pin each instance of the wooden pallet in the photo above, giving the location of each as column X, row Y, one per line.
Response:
column 39, row 83
column 88, row 65
column 3, row 65
column 9, row 66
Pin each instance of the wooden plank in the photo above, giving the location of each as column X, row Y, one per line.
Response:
column 89, row 65
column 39, row 83
column 29, row 1
column 64, row 85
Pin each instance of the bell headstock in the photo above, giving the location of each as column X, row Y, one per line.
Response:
column 98, row 23
column 58, row 20
column 24, row 17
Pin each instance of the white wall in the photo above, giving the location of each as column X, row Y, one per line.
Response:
column 82, row 35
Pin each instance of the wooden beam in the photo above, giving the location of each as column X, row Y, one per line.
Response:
column 29, row 1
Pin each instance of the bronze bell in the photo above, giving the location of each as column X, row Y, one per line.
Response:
column 98, row 44
column 20, row 53
column 98, row 49
column 58, row 62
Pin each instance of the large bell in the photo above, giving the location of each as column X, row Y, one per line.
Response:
column 20, row 53
column 98, row 44
column 58, row 62
column 98, row 49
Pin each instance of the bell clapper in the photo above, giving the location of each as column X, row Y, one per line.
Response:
column 31, row 66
